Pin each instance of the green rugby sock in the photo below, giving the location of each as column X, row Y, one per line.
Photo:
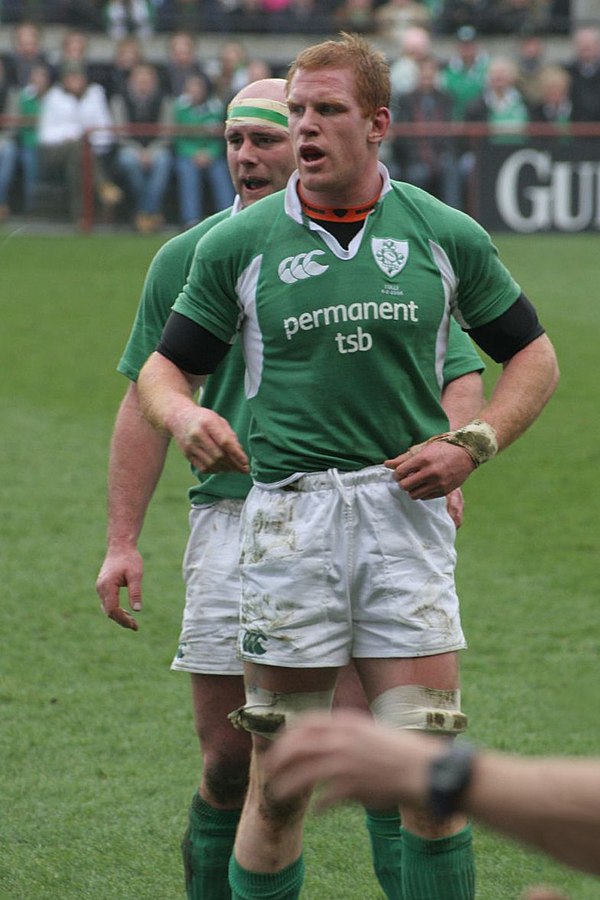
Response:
column 283, row 885
column 206, row 847
column 440, row 869
column 383, row 827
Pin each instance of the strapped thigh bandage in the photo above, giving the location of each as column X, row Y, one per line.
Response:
column 420, row 708
column 265, row 712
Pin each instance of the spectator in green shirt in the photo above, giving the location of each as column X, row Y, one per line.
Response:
column 200, row 158
column 30, row 99
column 464, row 77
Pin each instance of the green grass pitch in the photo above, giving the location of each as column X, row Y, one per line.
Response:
column 98, row 757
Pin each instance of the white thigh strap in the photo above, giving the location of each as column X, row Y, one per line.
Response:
column 421, row 708
column 265, row 712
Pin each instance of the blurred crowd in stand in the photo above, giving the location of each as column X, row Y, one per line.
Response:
column 143, row 17
column 156, row 125
column 505, row 92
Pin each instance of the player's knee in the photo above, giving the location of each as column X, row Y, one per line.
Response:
column 226, row 780
column 278, row 814
column 420, row 708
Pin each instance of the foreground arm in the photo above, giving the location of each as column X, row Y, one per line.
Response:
column 137, row 457
column 204, row 437
column 551, row 804
column 462, row 399
column 525, row 385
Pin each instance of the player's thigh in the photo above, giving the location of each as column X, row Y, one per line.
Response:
column 440, row 671
column 349, row 692
column 289, row 681
column 214, row 697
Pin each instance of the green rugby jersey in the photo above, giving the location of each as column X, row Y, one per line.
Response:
column 223, row 391
column 344, row 349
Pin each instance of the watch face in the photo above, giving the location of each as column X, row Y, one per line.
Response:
column 449, row 777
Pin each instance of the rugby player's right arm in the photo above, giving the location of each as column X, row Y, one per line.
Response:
column 205, row 438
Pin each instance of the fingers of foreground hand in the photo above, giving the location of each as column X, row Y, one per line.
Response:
column 294, row 760
column 319, row 747
column 352, row 758
column 300, row 768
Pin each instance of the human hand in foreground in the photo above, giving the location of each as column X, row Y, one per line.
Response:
column 543, row 892
column 431, row 469
column 121, row 568
column 209, row 442
column 353, row 758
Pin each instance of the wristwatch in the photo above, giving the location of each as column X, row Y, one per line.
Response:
column 449, row 777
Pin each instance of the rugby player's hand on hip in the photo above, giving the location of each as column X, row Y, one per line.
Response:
column 432, row 469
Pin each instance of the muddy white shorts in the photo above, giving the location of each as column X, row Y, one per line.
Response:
column 209, row 633
column 346, row 565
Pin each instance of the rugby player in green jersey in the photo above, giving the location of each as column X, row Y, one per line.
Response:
column 342, row 288
column 260, row 160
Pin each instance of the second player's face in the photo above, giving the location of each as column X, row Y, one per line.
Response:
column 260, row 160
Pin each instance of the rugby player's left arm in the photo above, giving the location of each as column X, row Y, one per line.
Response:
column 528, row 379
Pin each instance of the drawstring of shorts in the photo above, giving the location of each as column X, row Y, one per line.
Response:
column 337, row 482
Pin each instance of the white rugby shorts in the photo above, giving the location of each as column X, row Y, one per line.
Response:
column 211, row 618
column 341, row 565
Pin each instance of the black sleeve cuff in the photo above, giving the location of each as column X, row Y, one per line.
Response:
column 190, row 346
column 510, row 332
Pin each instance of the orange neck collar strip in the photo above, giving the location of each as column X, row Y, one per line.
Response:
column 343, row 214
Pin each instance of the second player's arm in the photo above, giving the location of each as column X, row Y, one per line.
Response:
column 136, row 461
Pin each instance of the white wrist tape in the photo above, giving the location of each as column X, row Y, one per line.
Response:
column 477, row 438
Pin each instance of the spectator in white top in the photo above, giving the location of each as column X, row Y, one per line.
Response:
column 396, row 16
column 71, row 109
column 415, row 45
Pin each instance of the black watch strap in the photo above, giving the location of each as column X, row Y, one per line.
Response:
column 449, row 778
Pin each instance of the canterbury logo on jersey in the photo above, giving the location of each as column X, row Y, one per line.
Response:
column 296, row 268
